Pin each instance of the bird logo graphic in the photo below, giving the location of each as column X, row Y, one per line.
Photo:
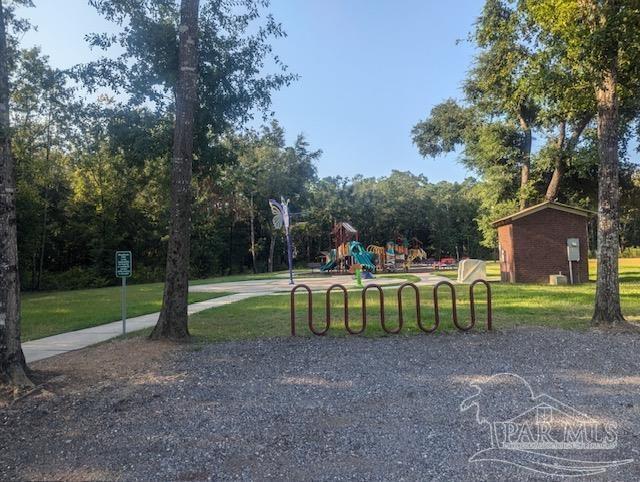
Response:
column 535, row 432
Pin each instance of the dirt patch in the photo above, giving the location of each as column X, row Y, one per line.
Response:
column 106, row 364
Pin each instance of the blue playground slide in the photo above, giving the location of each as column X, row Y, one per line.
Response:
column 331, row 264
column 362, row 256
column 359, row 254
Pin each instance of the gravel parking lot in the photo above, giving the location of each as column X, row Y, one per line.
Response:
column 348, row 408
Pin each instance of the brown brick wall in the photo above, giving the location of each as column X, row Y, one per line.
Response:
column 505, row 241
column 540, row 246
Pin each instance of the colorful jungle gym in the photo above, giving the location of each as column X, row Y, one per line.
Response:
column 349, row 254
column 398, row 255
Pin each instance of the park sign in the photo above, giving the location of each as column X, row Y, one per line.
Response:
column 124, row 264
column 124, row 269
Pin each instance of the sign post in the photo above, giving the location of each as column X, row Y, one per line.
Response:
column 124, row 269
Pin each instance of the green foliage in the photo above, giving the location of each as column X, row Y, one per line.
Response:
column 447, row 127
column 233, row 49
column 93, row 171
column 534, row 76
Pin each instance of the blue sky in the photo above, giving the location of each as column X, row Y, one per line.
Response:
column 370, row 69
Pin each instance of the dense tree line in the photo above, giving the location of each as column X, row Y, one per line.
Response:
column 108, row 190
column 93, row 175
column 93, row 172
column 566, row 73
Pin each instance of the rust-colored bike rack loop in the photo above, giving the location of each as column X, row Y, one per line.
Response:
column 345, row 298
column 436, row 308
column 364, row 306
column 472, row 303
column 400, row 313
column 293, row 308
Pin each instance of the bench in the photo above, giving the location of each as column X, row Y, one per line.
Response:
column 313, row 266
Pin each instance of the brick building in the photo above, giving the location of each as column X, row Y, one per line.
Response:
column 533, row 243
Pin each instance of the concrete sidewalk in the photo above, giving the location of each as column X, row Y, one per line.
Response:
column 55, row 345
column 74, row 340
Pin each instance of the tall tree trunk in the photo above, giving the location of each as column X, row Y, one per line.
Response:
column 46, row 203
column 272, row 247
column 13, row 366
column 173, row 321
column 525, row 170
column 232, row 229
column 553, row 188
column 253, row 237
column 607, row 306
column 43, row 242
column 565, row 149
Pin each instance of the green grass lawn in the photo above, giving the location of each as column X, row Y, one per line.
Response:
column 50, row 313
column 513, row 305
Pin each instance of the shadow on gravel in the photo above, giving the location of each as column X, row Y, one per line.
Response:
column 375, row 409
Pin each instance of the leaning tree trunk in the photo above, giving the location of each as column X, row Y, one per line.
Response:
column 525, row 170
column 564, row 152
column 173, row 319
column 553, row 189
column 607, row 306
column 13, row 366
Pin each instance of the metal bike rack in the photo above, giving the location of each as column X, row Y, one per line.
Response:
column 293, row 308
column 364, row 306
column 472, row 302
column 416, row 290
column 345, row 298
column 400, row 313
column 454, row 310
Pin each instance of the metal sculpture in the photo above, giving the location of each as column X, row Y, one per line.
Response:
column 281, row 219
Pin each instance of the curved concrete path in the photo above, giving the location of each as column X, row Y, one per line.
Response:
column 316, row 283
column 57, row 344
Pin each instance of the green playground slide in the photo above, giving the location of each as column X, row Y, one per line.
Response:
column 359, row 254
column 331, row 264
column 362, row 256
column 328, row 266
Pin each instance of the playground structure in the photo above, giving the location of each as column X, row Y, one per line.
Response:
column 398, row 329
column 348, row 253
column 398, row 255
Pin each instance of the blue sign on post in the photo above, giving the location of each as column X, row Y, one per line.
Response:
column 124, row 269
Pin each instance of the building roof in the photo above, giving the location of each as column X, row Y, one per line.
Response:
column 346, row 226
column 540, row 207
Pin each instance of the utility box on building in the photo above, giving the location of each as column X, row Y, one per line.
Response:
column 544, row 240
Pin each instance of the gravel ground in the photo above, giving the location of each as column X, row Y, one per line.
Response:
column 348, row 408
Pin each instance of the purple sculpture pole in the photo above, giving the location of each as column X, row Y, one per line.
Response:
column 290, row 256
column 286, row 221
